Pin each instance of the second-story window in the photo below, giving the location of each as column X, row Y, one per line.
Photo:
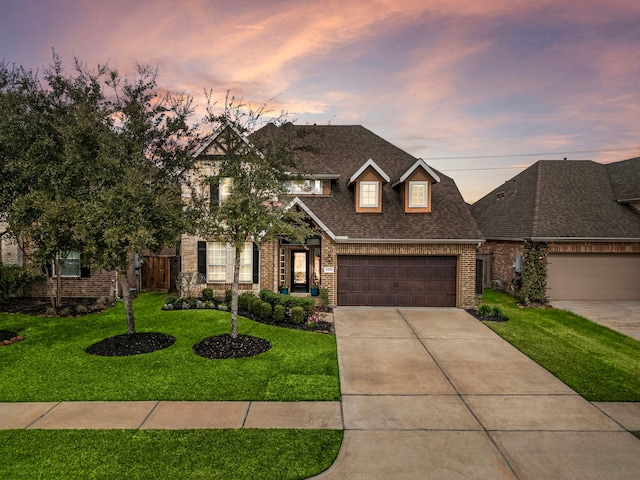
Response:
column 369, row 194
column 418, row 194
column 225, row 189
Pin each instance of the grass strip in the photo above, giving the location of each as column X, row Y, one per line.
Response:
column 598, row 363
column 162, row 454
column 51, row 364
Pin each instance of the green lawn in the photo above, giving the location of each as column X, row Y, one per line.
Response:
column 598, row 363
column 161, row 454
column 50, row 364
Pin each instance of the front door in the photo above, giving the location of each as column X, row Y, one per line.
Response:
column 300, row 271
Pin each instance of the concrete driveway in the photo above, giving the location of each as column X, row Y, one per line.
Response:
column 623, row 317
column 435, row 394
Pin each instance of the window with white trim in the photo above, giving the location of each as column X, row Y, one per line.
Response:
column 220, row 263
column 246, row 263
column 216, row 262
column 303, row 187
column 369, row 194
column 418, row 194
column 69, row 266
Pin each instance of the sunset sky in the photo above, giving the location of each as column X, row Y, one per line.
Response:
column 479, row 89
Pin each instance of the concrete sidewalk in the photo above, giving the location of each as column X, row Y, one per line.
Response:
column 170, row 415
column 433, row 393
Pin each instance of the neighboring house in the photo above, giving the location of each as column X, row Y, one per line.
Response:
column 77, row 280
column 588, row 215
column 391, row 230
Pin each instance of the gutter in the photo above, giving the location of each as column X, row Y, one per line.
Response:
column 584, row 239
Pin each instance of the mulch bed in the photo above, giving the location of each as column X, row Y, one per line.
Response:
column 224, row 346
column 131, row 344
column 7, row 337
column 71, row 307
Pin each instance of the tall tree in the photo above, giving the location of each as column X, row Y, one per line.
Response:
column 51, row 136
column 140, row 205
column 255, row 170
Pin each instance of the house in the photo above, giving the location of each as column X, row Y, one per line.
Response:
column 391, row 231
column 586, row 213
column 77, row 280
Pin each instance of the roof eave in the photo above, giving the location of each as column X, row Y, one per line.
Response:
column 345, row 239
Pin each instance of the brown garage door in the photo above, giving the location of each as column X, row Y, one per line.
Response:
column 397, row 281
column 593, row 276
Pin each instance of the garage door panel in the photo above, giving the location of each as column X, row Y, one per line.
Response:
column 397, row 280
column 594, row 277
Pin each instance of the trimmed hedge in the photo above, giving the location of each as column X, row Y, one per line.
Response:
column 288, row 301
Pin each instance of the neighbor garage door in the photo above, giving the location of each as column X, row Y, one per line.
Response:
column 593, row 277
column 408, row 281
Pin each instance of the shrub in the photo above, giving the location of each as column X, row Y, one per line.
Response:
column 227, row 296
column 244, row 301
column 13, row 278
column 255, row 305
column 324, row 299
column 485, row 311
column 265, row 310
column 297, row 315
column 174, row 302
column 496, row 311
column 278, row 313
column 207, row 294
column 534, row 272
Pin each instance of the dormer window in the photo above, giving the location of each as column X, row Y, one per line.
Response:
column 415, row 187
column 368, row 181
column 418, row 194
column 369, row 193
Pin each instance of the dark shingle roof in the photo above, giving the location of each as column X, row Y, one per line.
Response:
column 557, row 199
column 343, row 150
column 625, row 178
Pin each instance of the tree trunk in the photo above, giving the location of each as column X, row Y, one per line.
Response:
column 234, row 293
column 58, row 283
column 128, row 302
column 54, row 297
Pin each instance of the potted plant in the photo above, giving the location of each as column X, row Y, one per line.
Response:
column 283, row 289
column 315, row 290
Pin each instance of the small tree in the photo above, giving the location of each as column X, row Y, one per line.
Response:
column 258, row 167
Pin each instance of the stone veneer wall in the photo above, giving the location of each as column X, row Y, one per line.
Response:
column 466, row 253
column 503, row 257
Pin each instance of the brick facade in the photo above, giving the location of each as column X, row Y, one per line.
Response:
column 594, row 247
column 503, row 257
column 271, row 263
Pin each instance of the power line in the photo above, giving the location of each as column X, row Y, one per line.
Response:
column 475, row 137
column 488, row 168
column 540, row 154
